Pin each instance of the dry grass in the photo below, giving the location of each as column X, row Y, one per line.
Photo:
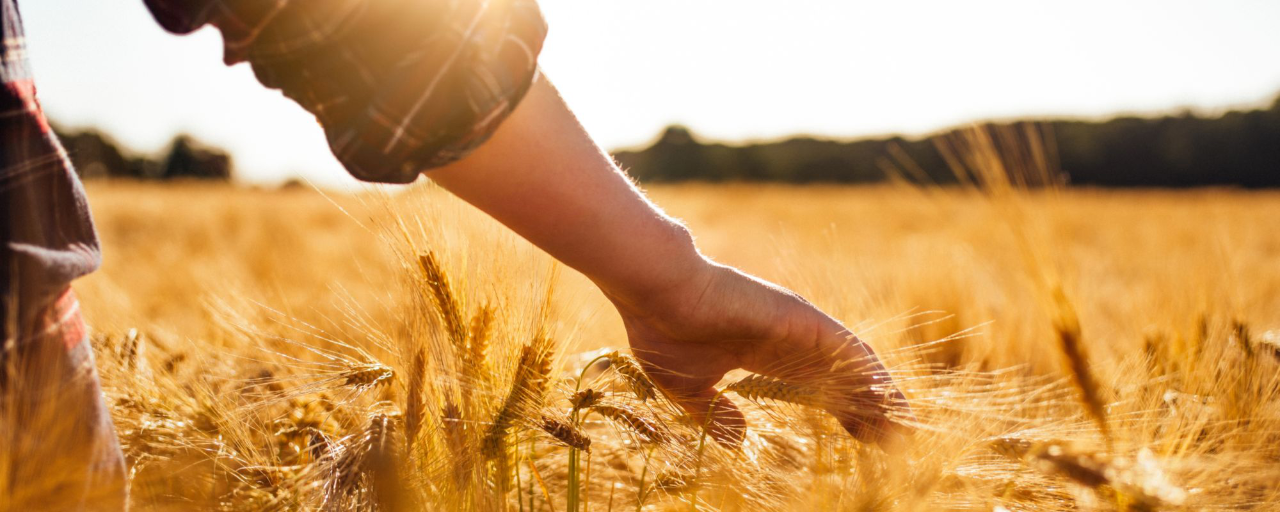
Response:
column 295, row 352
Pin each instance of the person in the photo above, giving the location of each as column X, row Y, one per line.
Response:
column 451, row 89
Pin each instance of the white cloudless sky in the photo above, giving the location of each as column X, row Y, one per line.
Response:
column 730, row 70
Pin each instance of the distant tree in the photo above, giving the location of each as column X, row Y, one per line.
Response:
column 1181, row 150
column 187, row 159
column 95, row 155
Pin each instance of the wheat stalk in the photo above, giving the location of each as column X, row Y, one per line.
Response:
column 527, row 391
column 757, row 387
column 585, row 398
column 565, row 432
column 480, row 331
column 414, row 399
column 365, row 471
column 1067, row 325
column 632, row 419
column 448, row 305
column 633, row 374
column 366, row 375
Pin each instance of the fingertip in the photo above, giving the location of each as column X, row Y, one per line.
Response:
column 726, row 423
column 881, row 431
column 887, row 425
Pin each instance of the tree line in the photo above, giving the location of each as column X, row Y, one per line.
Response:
column 95, row 155
column 1238, row 148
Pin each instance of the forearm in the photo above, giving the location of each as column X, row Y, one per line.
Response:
column 687, row 320
column 542, row 176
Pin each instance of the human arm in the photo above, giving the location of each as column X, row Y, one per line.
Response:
column 403, row 87
column 688, row 319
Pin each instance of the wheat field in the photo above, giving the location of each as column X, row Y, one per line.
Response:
column 396, row 350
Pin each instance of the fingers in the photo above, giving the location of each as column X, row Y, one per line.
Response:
column 726, row 424
column 853, row 384
column 869, row 417
column 864, row 398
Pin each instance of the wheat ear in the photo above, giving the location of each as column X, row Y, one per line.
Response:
column 414, row 404
column 480, row 332
column 527, row 390
column 367, row 461
column 636, row 378
column 366, row 375
column 1067, row 325
column 758, row 387
column 565, row 432
column 585, row 398
column 448, row 306
column 632, row 419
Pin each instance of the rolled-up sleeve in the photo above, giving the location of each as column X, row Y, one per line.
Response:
column 400, row 86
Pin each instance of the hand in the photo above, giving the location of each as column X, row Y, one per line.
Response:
column 689, row 320
column 689, row 336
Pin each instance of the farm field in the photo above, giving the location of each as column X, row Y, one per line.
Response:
column 293, row 350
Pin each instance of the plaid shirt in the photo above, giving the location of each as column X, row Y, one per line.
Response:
column 400, row 86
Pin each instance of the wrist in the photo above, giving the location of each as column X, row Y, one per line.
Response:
column 668, row 272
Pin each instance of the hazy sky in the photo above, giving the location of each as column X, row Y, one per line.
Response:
column 731, row 69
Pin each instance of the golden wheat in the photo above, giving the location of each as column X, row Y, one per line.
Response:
column 445, row 299
column 632, row 419
column 1166, row 321
column 629, row 368
column 526, row 393
column 760, row 387
column 481, row 329
column 565, row 432
column 366, row 375
column 585, row 398
column 415, row 402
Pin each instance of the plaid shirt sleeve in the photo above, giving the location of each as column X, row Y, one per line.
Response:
column 400, row 86
column 46, row 233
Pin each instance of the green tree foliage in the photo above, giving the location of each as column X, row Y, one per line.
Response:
column 1238, row 148
column 95, row 155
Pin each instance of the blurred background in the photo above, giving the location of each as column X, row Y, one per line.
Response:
column 1146, row 93
column 799, row 140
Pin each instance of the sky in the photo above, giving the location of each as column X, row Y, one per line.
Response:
column 731, row 70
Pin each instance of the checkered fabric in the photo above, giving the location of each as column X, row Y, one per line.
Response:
column 46, row 234
column 400, row 86
column 46, row 365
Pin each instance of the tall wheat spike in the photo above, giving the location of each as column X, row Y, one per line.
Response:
column 1067, row 326
column 365, row 474
column 449, row 306
column 451, row 423
column 1003, row 160
column 585, row 398
column 631, row 419
column 366, row 375
column 415, row 402
column 636, row 378
column 565, row 432
column 478, row 340
column 527, row 391
column 756, row 387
